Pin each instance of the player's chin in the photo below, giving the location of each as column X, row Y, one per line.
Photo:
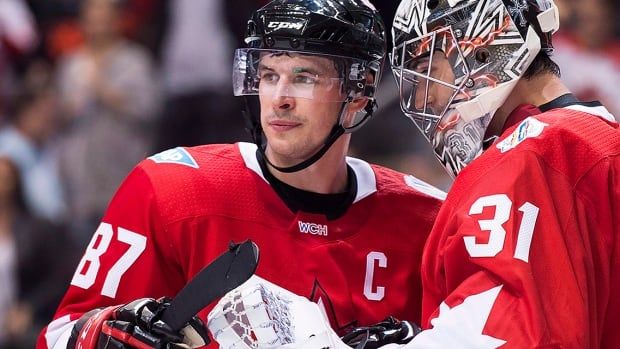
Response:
column 283, row 140
column 281, row 147
column 286, row 152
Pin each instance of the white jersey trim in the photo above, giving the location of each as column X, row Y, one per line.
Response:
column 248, row 153
column 425, row 188
column 598, row 111
column 58, row 332
column 366, row 180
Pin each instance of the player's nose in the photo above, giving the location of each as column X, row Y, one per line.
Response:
column 281, row 98
column 423, row 97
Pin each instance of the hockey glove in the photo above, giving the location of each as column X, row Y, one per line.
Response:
column 388, row 331
column 135, row 325
column 260, row 315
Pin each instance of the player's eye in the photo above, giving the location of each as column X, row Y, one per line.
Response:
column 269, row 77
column 420, row 66
column 306, row 79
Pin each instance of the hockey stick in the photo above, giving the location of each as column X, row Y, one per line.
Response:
column 225, row 273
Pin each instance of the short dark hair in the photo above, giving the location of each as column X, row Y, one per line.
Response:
column 542, row 64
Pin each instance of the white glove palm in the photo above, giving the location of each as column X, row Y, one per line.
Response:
column 259, row 314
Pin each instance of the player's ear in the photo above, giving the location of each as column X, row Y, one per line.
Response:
column 352, row 109
column 358, row 104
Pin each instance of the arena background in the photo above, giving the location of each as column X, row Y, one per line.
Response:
column 89, row 88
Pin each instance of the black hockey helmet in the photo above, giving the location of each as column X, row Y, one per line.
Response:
column 349, row 28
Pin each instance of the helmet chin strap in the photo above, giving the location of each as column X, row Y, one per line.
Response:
column 256, row 131
column 334, row 134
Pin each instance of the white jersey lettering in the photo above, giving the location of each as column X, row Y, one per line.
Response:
column 379, row 292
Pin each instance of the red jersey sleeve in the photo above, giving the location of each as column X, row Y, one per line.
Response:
column 127, row 258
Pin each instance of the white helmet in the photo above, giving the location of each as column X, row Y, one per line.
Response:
column 484, row 48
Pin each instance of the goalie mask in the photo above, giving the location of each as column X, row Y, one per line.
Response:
column 337, row 48
column 456, row 61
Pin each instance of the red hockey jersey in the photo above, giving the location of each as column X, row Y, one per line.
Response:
column 525, row 252
column 178, row 210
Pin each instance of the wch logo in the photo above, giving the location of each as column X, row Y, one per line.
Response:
column 312, row 228
column 285, row 25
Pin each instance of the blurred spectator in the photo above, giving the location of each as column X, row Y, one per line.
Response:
column 109, row 95
column 31, row 267
column 8, row 292
column 197, row 62
column 566, row 8
column 144, row 22
column 26, row 140
column 17, row 38
column 589, row 52
column 58, row 20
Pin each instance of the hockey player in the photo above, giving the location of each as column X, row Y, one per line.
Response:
column 525, row 252
column 336, row 230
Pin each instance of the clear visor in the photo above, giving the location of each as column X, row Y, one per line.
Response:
column 277, row 73
column 430, row 72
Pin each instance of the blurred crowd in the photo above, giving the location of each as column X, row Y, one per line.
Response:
column 88, row 88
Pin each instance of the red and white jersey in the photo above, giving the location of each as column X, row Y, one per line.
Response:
column 178, row 210
column 525, row 252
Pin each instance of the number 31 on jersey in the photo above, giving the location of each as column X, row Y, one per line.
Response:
column 495, row 227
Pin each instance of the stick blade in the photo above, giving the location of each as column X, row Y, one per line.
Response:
column 226, row 272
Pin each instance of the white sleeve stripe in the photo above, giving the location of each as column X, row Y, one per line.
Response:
column 63, row 341
column 58, row 332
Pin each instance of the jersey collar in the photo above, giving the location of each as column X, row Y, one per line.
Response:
column 366, row 179
column 567, row 101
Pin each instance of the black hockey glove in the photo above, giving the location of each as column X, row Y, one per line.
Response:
column 135, row 325
column 385, row 332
